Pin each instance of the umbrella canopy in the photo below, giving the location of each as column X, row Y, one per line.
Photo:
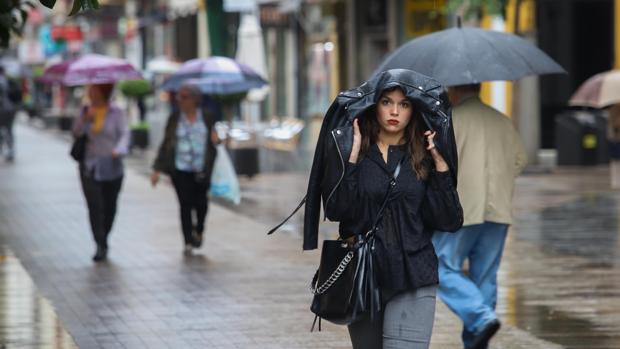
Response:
column 215, row 75
column 599, row 91
column 221, row 86
column 90, row 69
column 462, row 56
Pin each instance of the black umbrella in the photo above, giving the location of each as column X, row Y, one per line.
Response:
column 461, row 56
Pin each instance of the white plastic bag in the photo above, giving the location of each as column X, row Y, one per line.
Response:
column 224, row 182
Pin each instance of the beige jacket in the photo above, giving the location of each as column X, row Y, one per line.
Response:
column 491, row 156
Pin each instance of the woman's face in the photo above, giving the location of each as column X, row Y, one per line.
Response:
column 394, row 112
column 186, row 99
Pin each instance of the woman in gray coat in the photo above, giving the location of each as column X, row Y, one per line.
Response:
column 101, row 171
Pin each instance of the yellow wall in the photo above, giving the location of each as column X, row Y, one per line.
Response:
column 485, row 91
column 526, row 23
column 422, row 17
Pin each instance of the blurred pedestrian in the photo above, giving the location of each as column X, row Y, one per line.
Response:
column 102, row 170
column 10, row 99
column 187, row 154
column 491, row 155
column 392, row 140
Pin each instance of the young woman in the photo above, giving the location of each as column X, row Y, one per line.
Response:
column 424, row 199
column 101, row 172
column 187, row 155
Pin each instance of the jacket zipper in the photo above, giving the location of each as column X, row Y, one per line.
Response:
column 343, row 170
column 445, row 117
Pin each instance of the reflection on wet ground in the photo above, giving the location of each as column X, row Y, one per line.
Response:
column 560, row 279
column 561, row 276
column 586, row 227
column 27, row 320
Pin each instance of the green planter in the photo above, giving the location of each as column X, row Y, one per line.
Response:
column 140, row 135
column 135, row 88
column 140, row 139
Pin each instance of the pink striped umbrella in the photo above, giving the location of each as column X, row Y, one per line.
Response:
column 90, row 69
column 599, row 91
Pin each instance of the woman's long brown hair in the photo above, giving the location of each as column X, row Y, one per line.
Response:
column 413, row 137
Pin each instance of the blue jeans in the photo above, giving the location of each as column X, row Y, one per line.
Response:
column 472, row 297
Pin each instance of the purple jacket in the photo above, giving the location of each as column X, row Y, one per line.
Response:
column 114, row 136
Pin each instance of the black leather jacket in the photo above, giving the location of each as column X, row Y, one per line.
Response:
column 336, row 135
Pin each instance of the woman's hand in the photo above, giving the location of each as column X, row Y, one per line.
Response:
column 214, row 137
column 440, row 162
column 357, row 142
column 350, row 241
column 154, row 178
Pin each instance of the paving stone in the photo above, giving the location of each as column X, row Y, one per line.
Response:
column 246, row 290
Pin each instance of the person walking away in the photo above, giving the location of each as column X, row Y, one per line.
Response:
column 102, row 170
column 393, row 134
column 10, row 99
column 490, row 156
column 187, row 155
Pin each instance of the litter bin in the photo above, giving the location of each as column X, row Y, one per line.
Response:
column 243, row 150
column 581, row 137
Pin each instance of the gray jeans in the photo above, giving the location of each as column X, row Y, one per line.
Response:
column 406, row 323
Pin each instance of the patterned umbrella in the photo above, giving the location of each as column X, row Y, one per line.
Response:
column 599, row 91
column 90, row 69
column 215, row 75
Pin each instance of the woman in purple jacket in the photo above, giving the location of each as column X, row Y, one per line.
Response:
column 101, row 172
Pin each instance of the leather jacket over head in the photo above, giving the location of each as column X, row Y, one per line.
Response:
column 430, row 100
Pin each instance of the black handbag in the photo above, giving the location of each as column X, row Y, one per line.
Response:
column 345, row 284
column 78, row 149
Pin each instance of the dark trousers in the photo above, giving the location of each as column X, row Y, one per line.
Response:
column 101, row 198
column 6, row 133
column 192, row 195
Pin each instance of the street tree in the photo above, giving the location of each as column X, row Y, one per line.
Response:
column 14, row 15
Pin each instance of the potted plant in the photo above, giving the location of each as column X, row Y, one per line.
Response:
column 138, row 90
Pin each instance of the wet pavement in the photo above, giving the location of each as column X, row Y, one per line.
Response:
column 559, row 279
column 27, row 320
column 564, row 264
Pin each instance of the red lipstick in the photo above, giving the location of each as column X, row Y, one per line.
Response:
column 393, row 122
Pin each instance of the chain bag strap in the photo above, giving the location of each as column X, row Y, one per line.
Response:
column 317, row 290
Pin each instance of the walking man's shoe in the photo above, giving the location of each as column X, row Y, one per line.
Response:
column 482, row 338
column 101, row 254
